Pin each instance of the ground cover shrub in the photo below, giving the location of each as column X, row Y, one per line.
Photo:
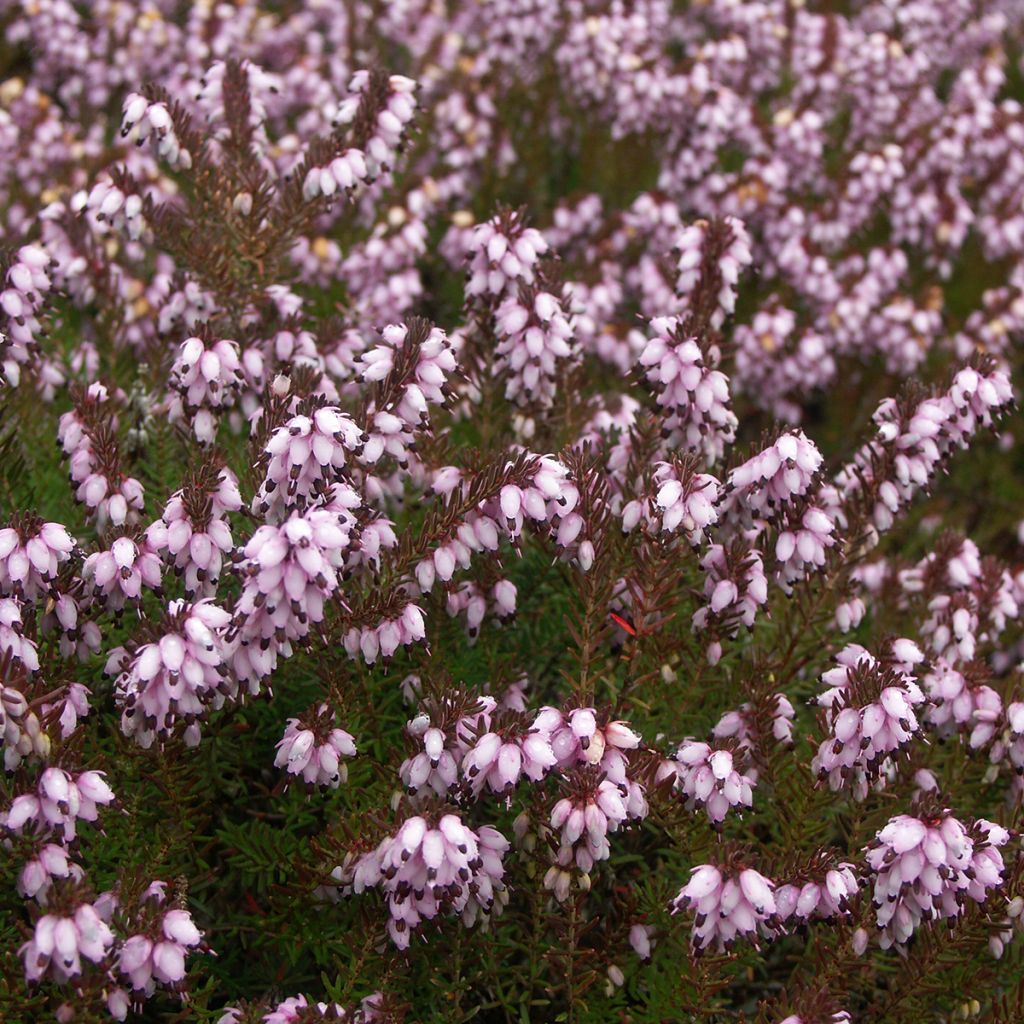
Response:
column 511, row 511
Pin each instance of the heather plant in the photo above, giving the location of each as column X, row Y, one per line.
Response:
column 511, row 511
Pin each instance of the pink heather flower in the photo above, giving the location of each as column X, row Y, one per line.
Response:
column 288, row 572
column 12, row 638
column 513, row 697
column 956, row 562
column 478, row 533
column 31, row 553
column 964, row 564
column 176, row 678
column 87, row 435
column 503, row 595
column 855, row 233
column 767, row 483
column 157, row 956
column 735, row 586
column 577, row 738
column 108, row 207
column 987, row 865
column 118, row 573
column 36, row 878
column 441, row 565
column 22, row 294
column 693, row 393
column 583, row 821
column 502, row 252
column 1010, row 744
column 836, row 1017
column 953, row 626
column 58, row 803
column 741, row 725
column 1013, row 923
column 977, row 392
column 77, row 638
column 384, row 639
column 298, row 1008
column 21, row 731
column 395, row 96
column 975, row 606
column 261, row 86
column 728, row 904
column 819, row 890
column 778, row 364
column 711, row 257
column 390, row 102
column 915, row 436
column 592, row 307
column 903, row 654
column 436, row 765
column 415, row 362
column 318, row 261
column 343, row 174
column 712, row 779
column 373, row 538
column 548, row 500
column 535, row 338
column 469, row 600
column 869, row 715
column 207, row 376
column 73, row 427
column 142, row 120
column 926, row 867
column 114, row 501
column 801, row 547
column 194, row 530
column 303, row 457
column 849, row 614
column 496, row 760
column 58, row 944
column 685, row 500
column 640, row 936
column 925, row 782
column 73, row 705
column 425, row 870
column 959, row 700
column 315, row 751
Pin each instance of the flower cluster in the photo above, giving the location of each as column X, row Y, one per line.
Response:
column 709, row 778
column 174, row 678
column 25, row 285
column 206, row 377
column 289, row 572
column 426, row 869
column 820, row 890
column 692, row 391
column 728, row 904
column 193, row 533
column 31, row 553
column 315, row 750
column 869, row 713
column 583, row 821
column 928, row 867
column 88, row 436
